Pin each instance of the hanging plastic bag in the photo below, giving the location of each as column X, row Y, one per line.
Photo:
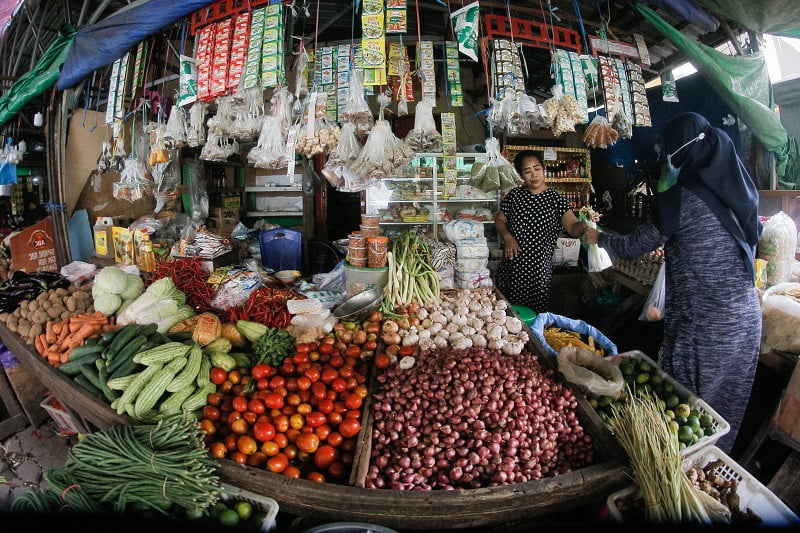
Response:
column 317, row 135
column 301, row 80
column 621, row 124
column 564, row 111
column 345, row 153
column 599, row 133
column 175, row 131
column 118, row 154
column 104, row 161
column 424, row 137
column 196, row 132
column 382, row 153
column 777, row 245
column 495, row 173
column 281, row 103
column 653, row 309
column 133, row 184
column 356, row 110
column 270, row 151
column 158, row 150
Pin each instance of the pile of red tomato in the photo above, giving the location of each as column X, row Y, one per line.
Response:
column 300, row 419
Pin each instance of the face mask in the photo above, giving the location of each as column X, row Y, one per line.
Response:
column 669, row 172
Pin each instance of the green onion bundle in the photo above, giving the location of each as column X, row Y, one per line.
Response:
column 669, row 496
column 146, row 464
column 412, row 278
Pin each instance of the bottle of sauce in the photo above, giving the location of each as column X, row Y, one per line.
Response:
column 147, row 259
column 103, row 246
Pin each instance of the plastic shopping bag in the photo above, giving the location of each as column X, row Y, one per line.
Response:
column 653, row 309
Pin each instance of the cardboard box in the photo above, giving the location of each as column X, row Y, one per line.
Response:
column 34, row 248
column 228, row 258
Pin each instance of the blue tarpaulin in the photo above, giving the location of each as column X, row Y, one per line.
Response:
column 99, row 45
column 690, row 12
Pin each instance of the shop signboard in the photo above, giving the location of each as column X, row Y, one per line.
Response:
column 34, row 248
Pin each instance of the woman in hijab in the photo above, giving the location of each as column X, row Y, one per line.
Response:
column 706, row 217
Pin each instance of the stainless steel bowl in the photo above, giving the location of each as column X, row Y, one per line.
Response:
column 341, row 245
column 359, row 305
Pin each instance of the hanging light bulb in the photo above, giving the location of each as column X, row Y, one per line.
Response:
column 38, row 119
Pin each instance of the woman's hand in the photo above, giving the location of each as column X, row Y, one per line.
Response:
column 511, row 247
column 591, row 235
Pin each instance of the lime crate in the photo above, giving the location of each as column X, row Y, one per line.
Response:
column 752, row 494
column 721, row 427
column 263, row 504
column 66, row 424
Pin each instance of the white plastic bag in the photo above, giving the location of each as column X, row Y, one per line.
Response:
column 424, row 137
column 382, row 153
column 270, row 151
column 356, row 110
column 780, row 307
column 653, row 309
column 777, row 245
column 590, row 372
column 345, row 153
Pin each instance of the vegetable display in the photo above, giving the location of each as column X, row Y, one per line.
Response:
column 114, row 289
column 146, row 464
column 271, row 346
column 411, row 276
column 23, row 286
column 189, row 278
column 473, row 418
column 61, row 338
column 162, row 303
column 265, row 305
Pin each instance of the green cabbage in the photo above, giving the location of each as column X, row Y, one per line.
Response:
column 134, row 288
column 107, row 303
column 111, row 279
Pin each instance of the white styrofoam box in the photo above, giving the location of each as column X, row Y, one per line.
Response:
column 473, row 280
column 277, row 180
column 279, row 203
column 567, row 252
column 752, row 494
column 471, row 265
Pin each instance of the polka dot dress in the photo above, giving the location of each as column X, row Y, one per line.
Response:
column 535, row 221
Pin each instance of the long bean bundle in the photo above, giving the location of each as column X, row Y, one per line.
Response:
column 669, row 496
column 412, row 278
column 65, row 495
column 145, row 464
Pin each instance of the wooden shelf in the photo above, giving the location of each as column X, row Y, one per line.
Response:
column 275, row 213
column 281, row 190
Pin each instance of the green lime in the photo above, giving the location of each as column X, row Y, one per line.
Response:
column 228, row 517
column 698, row 432
column 602, row 416
column 680, row 419
column 244, row 510
column 593, row 402
column 672, row 401
column 695, row 439
column 627, row 369
column 605, row 401
column 668, row 387
column 656, row 379
column 217, row 508
column 644, row 366
column 642, row 378
column 674, row 427
column 670, row 414
column 706, row 421
column 693, row 422
column 709, row 431
column 194, row 514
column 682, row 410
column 681, row 446
column 685, row 434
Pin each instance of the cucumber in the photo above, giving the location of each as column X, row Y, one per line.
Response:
column 127, row 352
column 73, row 368
column 102, row 377
column 180, row 336
column 91, row 341
column 124, row 337
column 81, row 380
column 82, row 351
column 125, row 369
column 109, row 335
column 149, row 329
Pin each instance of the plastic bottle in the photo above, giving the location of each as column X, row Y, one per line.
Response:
column 103, row 246
column 146, row 259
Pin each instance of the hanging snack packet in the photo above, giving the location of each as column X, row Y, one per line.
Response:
column 158, row 150
column 175, row 132
column 317, row 135
column 270, row 152
column 104, row 161
column 345, row 153
column 495, row 173
column 424, row 137
column 196, row 132
column 133, row 184
column 356, row 110
column 382, row 153
column 599, row 133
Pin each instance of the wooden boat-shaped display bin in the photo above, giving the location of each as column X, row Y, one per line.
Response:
column 438, row 509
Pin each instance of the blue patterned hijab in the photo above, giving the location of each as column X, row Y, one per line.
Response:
column 710, row 168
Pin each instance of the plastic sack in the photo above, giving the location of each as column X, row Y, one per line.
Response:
column 463, row 228
column 653, row 309
column 780, row 307
column 777, row 245
column 590, row 372
column 599, row 133
column 335, row 280
column 563, row 110
column 317, row 135
column 195, row 130
column 270, row 151
column 235, row 289
column 133, row 184
column 78, row 271
column 495, row 173
column 545, row 320
column 356, row 109
column 424, row 137
column 175, row 131
column 598, row 259
column 382, row 153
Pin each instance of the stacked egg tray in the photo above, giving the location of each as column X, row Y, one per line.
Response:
column 643, row 269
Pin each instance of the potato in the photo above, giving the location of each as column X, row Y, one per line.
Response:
column 62, row 292
column 71, row 304
column 12, row 327
column 35, row 331
column 17, row 312
column 66, row 314
column 90, row 309
column 55, row 311
column 40, row 316
column 4, row 316
column 23, row 330
column 33, row 305
column 42, row 298
column 24, row 305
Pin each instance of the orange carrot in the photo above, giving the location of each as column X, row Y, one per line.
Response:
column 50, row 333
column 64, row 357
column 53, row 356
column 39, row 343
column 63, row 335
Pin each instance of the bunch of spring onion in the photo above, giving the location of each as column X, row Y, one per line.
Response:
column 412, row 278
column 669, row 496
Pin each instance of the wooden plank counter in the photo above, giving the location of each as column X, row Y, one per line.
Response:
column 491, row 506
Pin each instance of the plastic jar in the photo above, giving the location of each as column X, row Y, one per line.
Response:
column 357, row 252
column 356, row 240
column 370, row 221
column 376, row 251
column 368, row 232
column 358, row 261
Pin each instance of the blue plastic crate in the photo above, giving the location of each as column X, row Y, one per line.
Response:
column 281, row 249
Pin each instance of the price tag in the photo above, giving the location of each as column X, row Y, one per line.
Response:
column 550, row 154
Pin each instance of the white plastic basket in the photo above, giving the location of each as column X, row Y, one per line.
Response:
column 263, row 504
column 721, row 427
column 752, row 494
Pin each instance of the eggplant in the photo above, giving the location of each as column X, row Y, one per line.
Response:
column 19, row 275
column 49, row 276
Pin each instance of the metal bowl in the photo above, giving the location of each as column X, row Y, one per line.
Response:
column 341, row 245
column 359, row 305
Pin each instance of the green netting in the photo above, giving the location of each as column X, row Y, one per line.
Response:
column 743, row 83
column 41, row 78
column 776, row 17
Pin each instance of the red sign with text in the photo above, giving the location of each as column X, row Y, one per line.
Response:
column 34, row 248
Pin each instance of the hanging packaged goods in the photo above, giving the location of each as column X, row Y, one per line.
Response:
column 453, row 76
column 506, row 68
column 396, row 16
column 399, row 73
column 449, row 154
column 272, row 53
column 426, row 69
column 252, row 71
column 222, row 50
column 373, row 42
column 239, row 49
column 202, row 58
column 325, row 77
column 641, row 109
column 569, row 73
column 116, row 94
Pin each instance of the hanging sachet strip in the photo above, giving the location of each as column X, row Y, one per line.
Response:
column 449, row 147
column 373, row 42
column 113, row 91
column 252, row 70
column 203, row 56
column 272, row 53
column 427, row 70
column 396, row 16
column 342, row 77
column 239, row 49
column 453, row 71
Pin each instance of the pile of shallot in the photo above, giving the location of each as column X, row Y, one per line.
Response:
column 463, row 419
